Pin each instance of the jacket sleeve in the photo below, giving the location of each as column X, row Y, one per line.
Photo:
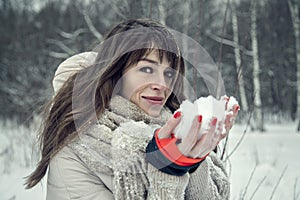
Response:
column 210, row 181
column 69, row 178
column 166, row 186
column 129, row 156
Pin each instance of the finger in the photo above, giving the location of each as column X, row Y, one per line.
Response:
column 206, row 142
column 219, row 134
column 212, row 127
column 235, row 109
column 226, row 98
column 200, row 148
column 190, row 140
column 212, row 134
column 223, row 135
column 227, row 122
column 170, row 125
column 215, row 142
column 220, row 128
column 205, row 146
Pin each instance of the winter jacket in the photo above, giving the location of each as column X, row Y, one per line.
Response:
column 108, row 162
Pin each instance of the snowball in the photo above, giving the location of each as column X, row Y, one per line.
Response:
column 208, row 107
column 231, row 102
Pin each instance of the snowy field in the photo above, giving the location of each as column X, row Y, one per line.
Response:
column 273, row 159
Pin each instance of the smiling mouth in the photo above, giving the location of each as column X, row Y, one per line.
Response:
column 154, row 100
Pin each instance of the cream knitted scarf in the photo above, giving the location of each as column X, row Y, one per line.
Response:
column 116, row 146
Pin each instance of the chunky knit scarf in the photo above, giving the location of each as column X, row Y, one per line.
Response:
column 116, row 146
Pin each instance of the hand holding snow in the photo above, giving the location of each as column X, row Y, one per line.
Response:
column 208, row 107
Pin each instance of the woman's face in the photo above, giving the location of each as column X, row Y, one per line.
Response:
column 149, row 83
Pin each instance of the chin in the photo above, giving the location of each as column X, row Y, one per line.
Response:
column 154, row 112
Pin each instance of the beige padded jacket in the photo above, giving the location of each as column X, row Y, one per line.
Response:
column 77, row 172
column 70, row 175
column 70, row 179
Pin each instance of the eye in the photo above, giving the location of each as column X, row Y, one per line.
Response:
column 169, row 74
column 146, row 70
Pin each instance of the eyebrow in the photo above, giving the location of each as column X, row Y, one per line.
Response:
column 149, row 60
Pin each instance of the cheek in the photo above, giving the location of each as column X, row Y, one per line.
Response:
column 168, row 93
column 131, row 87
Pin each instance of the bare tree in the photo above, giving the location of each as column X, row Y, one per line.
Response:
column 150, row 6
column 135, row 8
column 162, row 12
column 238, row 60
column 197, row 38
column 258, row 112
column 294, row 11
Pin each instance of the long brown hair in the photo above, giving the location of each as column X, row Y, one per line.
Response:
column 86, row 94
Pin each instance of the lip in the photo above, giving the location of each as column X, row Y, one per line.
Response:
column 154, row 99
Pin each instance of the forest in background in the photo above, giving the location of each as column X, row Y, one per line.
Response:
column 36, row 36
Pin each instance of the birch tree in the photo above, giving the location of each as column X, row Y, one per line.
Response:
column 135, row 8
column 162, row 12
column 258, row 113
column 294, row 11
column 238, row 60
column 197, row 38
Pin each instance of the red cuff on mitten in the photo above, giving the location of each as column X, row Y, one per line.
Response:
column 170, row 150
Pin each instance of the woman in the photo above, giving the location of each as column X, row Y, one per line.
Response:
column 97, row 141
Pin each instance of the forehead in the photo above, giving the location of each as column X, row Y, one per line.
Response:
column 156, row 58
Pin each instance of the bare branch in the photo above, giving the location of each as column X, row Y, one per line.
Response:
column 224, row 148
column 58, row 55
column 249, row 181
column 228, row 42
column 241, row 139
column 258, row 186
column 73, row 35
column 62, row 46
column 280, row 178
column 91, row 26
column 117, row 10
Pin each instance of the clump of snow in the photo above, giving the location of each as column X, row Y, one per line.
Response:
column 231, row 101
column 209, row 107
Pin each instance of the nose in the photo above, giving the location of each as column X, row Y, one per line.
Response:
column 158, row 87
column 159, row 83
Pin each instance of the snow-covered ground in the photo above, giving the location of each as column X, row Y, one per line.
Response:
column 17, row 159
column 274, row 155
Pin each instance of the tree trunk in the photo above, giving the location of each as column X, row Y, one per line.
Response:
column 150, row 9
column 294, row 10
column 258, row 114
column 238, row 62
column 197, row 38
column 135, row 8
column 162, row 12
